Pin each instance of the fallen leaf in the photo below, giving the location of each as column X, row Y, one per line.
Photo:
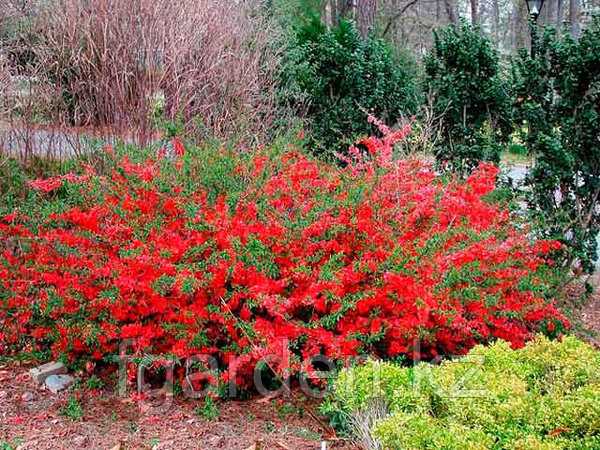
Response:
column 268, row 398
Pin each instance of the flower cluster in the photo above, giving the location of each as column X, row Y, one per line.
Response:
column 380, row 257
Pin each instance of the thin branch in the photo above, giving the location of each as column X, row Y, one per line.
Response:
column 397, row 16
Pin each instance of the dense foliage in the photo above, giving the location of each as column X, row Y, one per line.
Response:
column 558, row 98
column 545, row 396
column 471, row 98
column 333, row 76
column 239, row 256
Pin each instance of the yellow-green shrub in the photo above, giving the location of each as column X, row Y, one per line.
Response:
column 543, row 396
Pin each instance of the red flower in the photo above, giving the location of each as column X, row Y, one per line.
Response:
column 380, row 257
column 178, row 147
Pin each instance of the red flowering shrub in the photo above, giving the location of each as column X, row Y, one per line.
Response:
column 364, row 259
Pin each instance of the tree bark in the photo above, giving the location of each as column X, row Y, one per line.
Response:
column 559, row 14
column 574, row 12
column 327, row 15
column 366, row 10
column 474, row 12
column 451, row 10
column 336, row 12
column 496, row 23
column 520, row 25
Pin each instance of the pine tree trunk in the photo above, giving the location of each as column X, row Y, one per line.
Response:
column 496, row 25
column 559, row 14
column 520, row 32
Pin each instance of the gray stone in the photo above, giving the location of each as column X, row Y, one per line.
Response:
column 28, row 397
column 40, row 373
column 57, row 383
column 79, row 441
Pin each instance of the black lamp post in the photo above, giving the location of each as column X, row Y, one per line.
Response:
column 534, row 7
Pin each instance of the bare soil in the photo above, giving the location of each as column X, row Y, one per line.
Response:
column 33, row 418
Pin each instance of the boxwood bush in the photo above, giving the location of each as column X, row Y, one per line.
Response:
column 334, row 75
column 557, row 105
column 471, row 97
column 543, row 396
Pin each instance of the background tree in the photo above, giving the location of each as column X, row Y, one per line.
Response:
column 366, row 12
column 574, row 13
column 558, row 99
column 463, row 73
column 334, row 76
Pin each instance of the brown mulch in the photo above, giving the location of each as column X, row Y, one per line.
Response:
column 590, row 314
column 110, row 422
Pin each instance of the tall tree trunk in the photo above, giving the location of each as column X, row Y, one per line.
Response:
column 559, row 14
column 331, row 6
column 451, row 10
column 574, row 17
column 519, row 25
column 366, row 10
column 474, row 12
column 496, row 22
column 338, row 10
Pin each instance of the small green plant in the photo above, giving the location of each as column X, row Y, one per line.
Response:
column 133, row 427
column 270, row 427
column 286, row 409
column 209, row 409
column 95, row 382
column 177, row 389
column 8, row 445
column 517, row 149
column 310, row 435
column 73, row 409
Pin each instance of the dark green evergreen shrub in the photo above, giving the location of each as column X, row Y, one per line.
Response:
column 334, row 77
column 470, row 96
column 558, row 106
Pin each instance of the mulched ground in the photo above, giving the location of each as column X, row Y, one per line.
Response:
column 590, row 315
column 33, row 418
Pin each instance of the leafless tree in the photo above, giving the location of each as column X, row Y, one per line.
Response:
column 112, row 64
